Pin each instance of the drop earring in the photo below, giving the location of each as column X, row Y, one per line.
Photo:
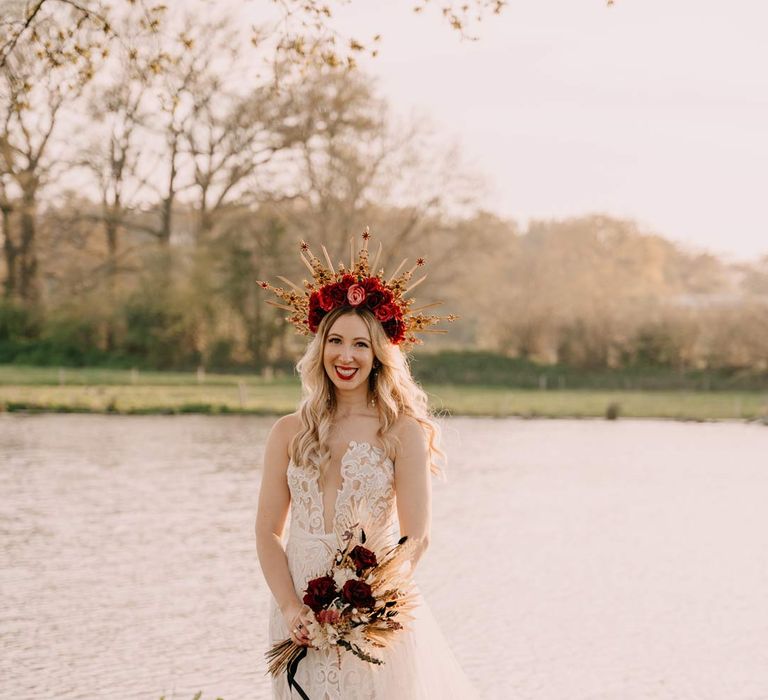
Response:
column 374, row 376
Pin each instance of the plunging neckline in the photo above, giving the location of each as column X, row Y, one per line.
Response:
column 321, row 492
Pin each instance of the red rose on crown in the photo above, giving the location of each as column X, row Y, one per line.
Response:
column 375, row 294
column 395, row 329
column 373, row 300
column 371, row 284
column 338, row 293
column 316, row 312
column 385, row 312
column 327, row 301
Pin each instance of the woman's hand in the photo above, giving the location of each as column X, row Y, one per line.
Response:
column 296, row 617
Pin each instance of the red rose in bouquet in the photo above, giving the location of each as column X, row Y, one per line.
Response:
column 320, row 592
column 362, row 558
column 358, row 594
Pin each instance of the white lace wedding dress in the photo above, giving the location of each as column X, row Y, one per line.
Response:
column 419, row 665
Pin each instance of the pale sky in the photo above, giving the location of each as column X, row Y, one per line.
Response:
column 650, row 109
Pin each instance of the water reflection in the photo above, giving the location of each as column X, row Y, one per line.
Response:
column 611, row 560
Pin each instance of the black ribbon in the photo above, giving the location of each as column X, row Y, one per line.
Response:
column 292, row 668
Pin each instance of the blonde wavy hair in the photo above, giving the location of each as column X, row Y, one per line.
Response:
column 396, row 393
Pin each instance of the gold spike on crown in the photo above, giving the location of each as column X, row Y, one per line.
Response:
column 353, row 287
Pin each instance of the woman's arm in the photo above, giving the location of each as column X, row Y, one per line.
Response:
column 413, row 485
column 274, row 501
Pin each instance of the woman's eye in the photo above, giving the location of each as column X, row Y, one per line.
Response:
column 359, row 344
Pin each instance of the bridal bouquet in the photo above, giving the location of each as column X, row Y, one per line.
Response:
column 358, row 605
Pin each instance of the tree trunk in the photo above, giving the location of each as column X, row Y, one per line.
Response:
column 166, row 223
column 29, row 287
column 204, row 221
column 10, row 252
column 111, row 226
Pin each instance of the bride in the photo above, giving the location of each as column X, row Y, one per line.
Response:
column 361, row 440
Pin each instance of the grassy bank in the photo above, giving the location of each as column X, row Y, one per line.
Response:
column 132, row 392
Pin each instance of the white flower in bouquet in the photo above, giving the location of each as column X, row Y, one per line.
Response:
column 342, row 575
column 324, row 635
column 357, row 616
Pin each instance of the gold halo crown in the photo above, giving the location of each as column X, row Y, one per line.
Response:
column 355, row 286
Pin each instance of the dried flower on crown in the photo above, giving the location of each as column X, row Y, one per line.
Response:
column 355, row 286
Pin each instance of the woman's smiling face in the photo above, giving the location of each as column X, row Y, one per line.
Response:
column 348, row 355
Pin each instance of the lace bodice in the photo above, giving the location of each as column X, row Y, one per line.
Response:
column 367, row 482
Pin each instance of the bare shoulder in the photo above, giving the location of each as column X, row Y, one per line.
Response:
column 283, row 431
column 289, row 424
column 410, row 435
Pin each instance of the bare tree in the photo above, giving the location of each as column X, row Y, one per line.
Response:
column 231, row 134
column 40, row 76
column 358, row 166
column 114, row 158
column 29, row 109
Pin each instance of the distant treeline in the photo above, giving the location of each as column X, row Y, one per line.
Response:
column 26, row 340
column 490, row 369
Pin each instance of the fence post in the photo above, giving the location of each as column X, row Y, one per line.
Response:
column 242, row 393
column 200, row 374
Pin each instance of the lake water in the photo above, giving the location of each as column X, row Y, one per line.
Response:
column 570, row 559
